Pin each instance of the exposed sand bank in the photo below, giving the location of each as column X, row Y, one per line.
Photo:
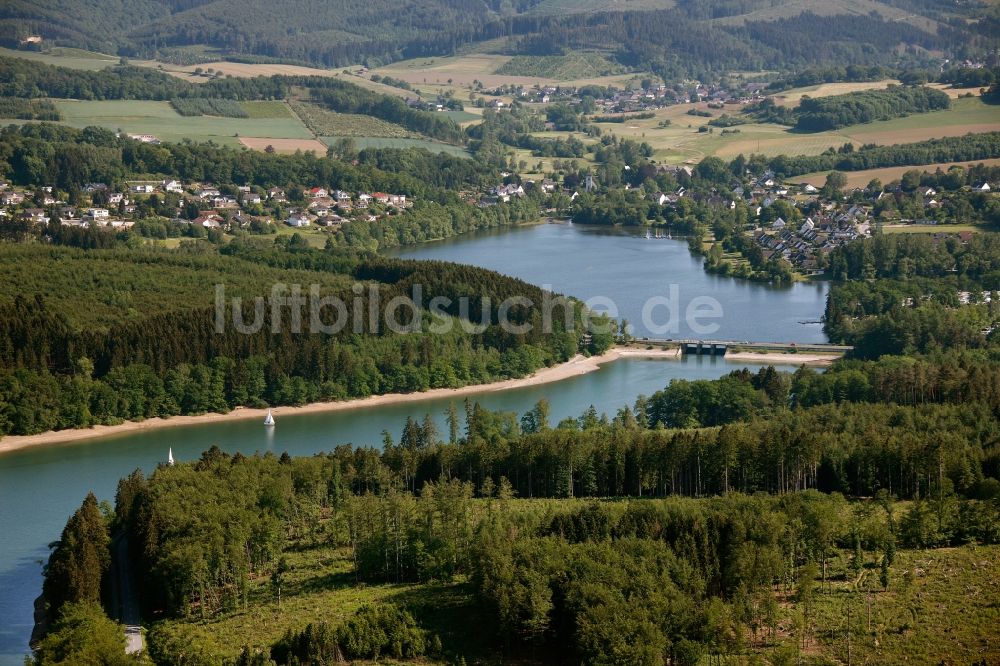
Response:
column 780, row 358
column 578, row 365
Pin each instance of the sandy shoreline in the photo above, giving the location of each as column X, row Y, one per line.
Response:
column 780, row 358
column 579, row 365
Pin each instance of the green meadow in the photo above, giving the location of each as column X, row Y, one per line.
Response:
column 160, row 120
column 65, row 57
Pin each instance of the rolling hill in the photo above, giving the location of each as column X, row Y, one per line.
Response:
column 676, row 37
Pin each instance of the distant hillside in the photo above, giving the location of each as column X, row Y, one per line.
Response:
column 685, row 37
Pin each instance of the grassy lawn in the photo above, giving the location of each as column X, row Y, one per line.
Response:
column 315, row 235
column 65, row 57
column 159, row 119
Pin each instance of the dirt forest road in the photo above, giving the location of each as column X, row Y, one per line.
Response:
column 127, row 603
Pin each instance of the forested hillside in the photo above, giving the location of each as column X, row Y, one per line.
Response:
column 673, row 40
column 445, row 575
column 829, row 113
column 165, row 354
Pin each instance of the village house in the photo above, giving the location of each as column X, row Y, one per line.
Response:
column 317, row 193
column 299, row 220
column 35, row 216
column 276, row 194
column 172, row 186
column 98, row 214
column 11, row 198
column 145, row 138
column 224, row 202
column 209, row 221
column 143, row 188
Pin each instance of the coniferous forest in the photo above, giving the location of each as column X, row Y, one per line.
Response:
column 839, row 511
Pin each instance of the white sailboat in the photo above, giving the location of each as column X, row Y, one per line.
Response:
column 170, row 456
column 269, row 420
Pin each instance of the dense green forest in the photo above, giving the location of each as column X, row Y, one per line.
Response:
column 836, row 111
column 970, row 147
column 28, row 109
column 27, row 78
column 43, row 154
column 558, row 581
column 106, row 354
column 904, row 294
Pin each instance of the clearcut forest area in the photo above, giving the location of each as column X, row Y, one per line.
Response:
column 174, row 175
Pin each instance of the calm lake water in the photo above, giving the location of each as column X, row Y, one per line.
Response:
column 39, row 488
column 631, row 271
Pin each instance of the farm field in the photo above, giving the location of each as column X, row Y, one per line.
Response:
column 284, row 146
column 159, row 119
column 887, row 175
column 576, row 65
column 323, row 122
column 682, row 141
column 362, row 80
column 464, row 70
column 966, row 115
column 383, row 142
column 954, row 93
column 791, row 97
column 237, row 69
column 929, row 228
column 275, row 109
column 65, row 57
column 463, row 117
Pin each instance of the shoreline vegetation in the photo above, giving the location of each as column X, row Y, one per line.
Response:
column 578, row 365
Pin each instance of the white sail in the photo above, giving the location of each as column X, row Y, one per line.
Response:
column 170, row 456
column 269, row 420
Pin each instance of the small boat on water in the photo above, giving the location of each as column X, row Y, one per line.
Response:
column 269, row 420
column 170, row 456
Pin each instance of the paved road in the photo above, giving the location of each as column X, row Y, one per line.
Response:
column 126, row 599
